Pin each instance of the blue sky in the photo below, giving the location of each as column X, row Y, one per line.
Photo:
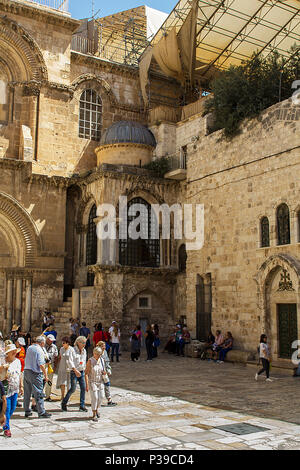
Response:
column 83, row 8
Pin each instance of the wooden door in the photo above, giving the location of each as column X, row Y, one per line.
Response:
column 287, row 329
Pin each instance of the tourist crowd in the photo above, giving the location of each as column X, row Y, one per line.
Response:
column 28, row 365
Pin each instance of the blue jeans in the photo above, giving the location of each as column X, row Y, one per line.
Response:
column 33, row 384
column 115, row 348
column 74, row 381
column 11, row 403
column 223, row 353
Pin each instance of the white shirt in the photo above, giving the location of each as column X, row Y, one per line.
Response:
column 13, row 377
column 264, row 351
column 77, row 359
column 114, row 339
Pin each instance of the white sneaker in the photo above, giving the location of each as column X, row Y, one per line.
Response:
column 269, row 380
column 256, row 376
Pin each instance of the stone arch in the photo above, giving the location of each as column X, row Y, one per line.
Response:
column 24, row 236
column 27, row 62
column 86, row 79
column 84, row 209
column 271, row 293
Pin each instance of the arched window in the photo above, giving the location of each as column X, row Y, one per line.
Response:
column 91, row 244
column 264, row 232
column 182, row 257
column 144, row 250
column 90, row 115
column 283, row 225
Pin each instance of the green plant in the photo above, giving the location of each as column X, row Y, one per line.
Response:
column 160, row 166
column 244, row 91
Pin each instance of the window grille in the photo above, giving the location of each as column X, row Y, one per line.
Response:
column 90, row 115
column 283, row 225
column 265, row 232
column 140, row 252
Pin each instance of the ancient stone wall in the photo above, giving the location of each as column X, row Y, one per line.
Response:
column 239, row 181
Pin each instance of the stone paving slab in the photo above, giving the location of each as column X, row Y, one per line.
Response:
column 156, row 421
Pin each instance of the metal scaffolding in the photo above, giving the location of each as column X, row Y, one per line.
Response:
column 122, row 37
column 228, row 32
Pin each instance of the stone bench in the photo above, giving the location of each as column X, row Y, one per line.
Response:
column 236, row 355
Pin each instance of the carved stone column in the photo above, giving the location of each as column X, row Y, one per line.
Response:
column 18, row 305
column 28, row 305
column 9, row 305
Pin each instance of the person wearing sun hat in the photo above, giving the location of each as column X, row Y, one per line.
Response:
column 53, row 358
column 12, row 384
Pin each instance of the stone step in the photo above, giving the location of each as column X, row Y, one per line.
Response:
column 64, row 309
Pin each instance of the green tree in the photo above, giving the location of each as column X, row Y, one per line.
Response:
column 244, row 91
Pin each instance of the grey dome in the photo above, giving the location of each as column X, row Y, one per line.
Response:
column 128, row 132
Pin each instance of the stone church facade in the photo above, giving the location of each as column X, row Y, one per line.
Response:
column 74, row 134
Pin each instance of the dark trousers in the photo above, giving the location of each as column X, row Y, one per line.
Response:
column 115, row 349
column 180, row 348
column 223, row 353
column 149, row 348
column 74, row 381
column 135, row 356
column 266, row 367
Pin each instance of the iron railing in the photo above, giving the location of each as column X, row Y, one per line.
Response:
column 60, row 5
column 82, row 44
column 178, row 161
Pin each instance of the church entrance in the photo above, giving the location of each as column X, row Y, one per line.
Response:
column 287, row 329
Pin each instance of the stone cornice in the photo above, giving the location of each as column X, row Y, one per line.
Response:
column 121, row 173
column 56, row 181
column 40, row 13
column 165, row 272
column 122, row 144
column 53, row 254
column 122, row 69
column 28, row 273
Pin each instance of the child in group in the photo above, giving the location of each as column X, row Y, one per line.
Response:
column 95, row 374
column 135, row 348
column 107, row 367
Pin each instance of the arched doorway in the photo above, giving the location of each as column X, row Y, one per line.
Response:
column 19, row 247
column 279, row 301
column 203, row 306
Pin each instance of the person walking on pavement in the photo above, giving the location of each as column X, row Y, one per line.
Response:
column 34, row 373
column 115, row 340
column 53, row 357
column 77, row 362
column 63, row 366
column 265, row 356
column 94, row 378
column 107, row 367
column 13, row 383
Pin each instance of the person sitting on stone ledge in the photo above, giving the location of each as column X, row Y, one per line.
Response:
column 226, row 346
column 217, row 346
column 170, row 347
column 207, row 346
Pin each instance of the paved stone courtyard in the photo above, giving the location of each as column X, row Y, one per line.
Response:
column 171, row 403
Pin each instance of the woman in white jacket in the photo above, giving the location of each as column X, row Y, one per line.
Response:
column 95, row 375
